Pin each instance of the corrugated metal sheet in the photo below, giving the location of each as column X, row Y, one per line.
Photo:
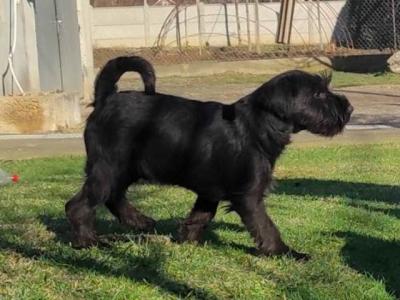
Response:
column 58, row 45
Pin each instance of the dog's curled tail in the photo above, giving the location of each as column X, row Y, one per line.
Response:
column 107, row 78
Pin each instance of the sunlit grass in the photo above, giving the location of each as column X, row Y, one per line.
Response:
column 340, row 204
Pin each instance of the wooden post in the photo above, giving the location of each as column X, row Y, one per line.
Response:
column 248, row 25
column 238, row 22
column 146, row 23
column 321, row 45
column 178, row 27
column 395, row 44
column 285, row 21
column 228, row 39
column 309, row 6
column 257, row 28
column 200, row 27
column 186, row 32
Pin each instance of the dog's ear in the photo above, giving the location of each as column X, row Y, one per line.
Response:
column 278, row 98
column 228, row 112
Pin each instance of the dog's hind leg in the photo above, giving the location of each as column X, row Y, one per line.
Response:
column 117, row 203
column 194, row 225
column 127, row 214
column 251, row 210
column 81, row 216
column 81, row 209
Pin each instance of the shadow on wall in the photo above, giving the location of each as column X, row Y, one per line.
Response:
column 367, row 25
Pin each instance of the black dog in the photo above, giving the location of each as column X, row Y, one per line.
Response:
column 172, row 140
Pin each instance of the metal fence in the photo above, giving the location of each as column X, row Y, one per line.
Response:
column 247, row 29
column 369, row 25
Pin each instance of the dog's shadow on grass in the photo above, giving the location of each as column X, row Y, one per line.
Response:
column 368, row 255
column 145, row 267
column 111, row 229
column 375, row 257
column 137, row 268
column 353, row 190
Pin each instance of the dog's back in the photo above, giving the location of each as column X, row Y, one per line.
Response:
column 160, row 137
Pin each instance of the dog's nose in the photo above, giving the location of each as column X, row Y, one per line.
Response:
column 350, row 109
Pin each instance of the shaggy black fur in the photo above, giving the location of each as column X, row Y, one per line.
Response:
column 171, row 140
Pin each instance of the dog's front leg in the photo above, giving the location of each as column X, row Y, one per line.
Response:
column 251, row 210
column 194, row 225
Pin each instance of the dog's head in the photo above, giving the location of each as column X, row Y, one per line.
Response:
column 305, row 101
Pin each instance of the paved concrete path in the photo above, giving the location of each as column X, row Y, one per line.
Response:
column 30, row 146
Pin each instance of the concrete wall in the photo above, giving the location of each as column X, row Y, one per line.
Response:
column 39, row 113
column 85, row 19
column 25, row 58
column 125, row 26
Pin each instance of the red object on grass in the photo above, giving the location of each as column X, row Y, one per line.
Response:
column 15, row 178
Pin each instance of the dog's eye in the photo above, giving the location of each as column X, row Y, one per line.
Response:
column 320, row 95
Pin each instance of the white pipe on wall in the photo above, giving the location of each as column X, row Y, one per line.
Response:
column 14, row 44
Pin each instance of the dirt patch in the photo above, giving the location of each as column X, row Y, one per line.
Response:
column 26, row 114
column 36, row 113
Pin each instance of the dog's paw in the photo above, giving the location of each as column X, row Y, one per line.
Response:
column 299, row 256
column 83, row 242
column 191, row 233
column 286, row 251
column 146, row 224
column 140, row 223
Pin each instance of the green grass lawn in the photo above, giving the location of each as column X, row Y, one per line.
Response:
column 340, row 204
column 340, row 79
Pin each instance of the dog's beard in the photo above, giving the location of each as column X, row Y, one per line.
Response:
column 326, row 117
column 298, row 128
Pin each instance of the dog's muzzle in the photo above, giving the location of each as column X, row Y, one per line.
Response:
column 349, row 111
